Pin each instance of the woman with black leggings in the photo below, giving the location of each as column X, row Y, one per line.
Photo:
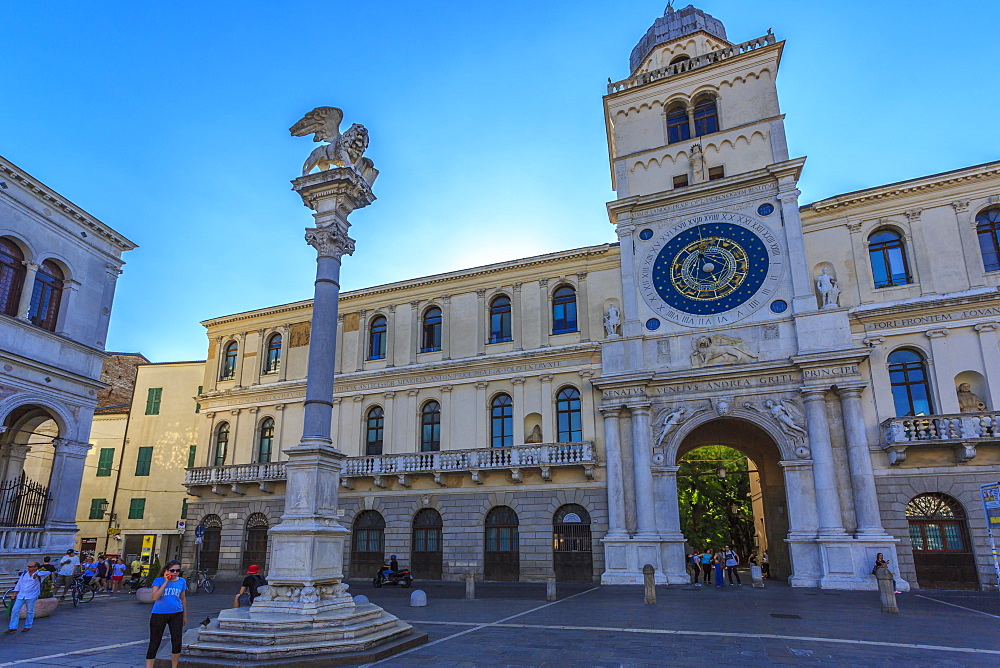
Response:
column 169, row 609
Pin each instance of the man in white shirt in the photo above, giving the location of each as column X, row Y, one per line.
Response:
column 28, row 587
column 69, row 566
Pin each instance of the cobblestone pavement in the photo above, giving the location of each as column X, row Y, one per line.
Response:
column 512, row 625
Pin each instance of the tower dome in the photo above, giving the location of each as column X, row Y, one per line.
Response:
column 675, row 24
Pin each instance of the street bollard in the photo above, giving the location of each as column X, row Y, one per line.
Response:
column 886, row 589
column 418, row 599
column 757, row 576
column 470, row 585
column 647, row 579
column 550, row 588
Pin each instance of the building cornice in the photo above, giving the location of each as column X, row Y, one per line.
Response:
column 916, row 305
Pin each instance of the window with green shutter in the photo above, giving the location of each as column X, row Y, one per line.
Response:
column 197, row 406
column 153, row 400
column 184, row 509
column 105, row 461
column 95, row 509
column 136, row 509
column 144, row 460
column 191, row 454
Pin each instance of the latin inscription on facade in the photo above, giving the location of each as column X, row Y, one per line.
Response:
column 934, row 318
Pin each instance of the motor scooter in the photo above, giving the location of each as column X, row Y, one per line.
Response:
column 386, row 577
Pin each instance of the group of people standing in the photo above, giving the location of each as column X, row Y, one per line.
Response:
column 722, row 562
column 108, row 572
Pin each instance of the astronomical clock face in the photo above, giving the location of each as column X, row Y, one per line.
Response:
column 712, row 270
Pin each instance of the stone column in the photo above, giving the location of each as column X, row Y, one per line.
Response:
column 112, row 271
column 390, row 336
column 408, row 441
column 969, row 236
column 64, row 486
column 825, row 479
column 252, row 410
column 518, row 410
column 285, row 344
column 482, row 318
column 546, row 399
column 615, row 482
column 24, row 305
column 630, row 302
column 234, row 432
column 582, row 307
column 990, row 349
column 362, row 343
column 482, row 418
column 544, row 311
column 642, row 457
column 668, row 517
column 516, row 318
column 216, row 369
column 803, row 298
column 70, row 288
column 586, row 405
column 241, row 342
column 279, row 423
column 859, row 458
column 446, row 416
column 389, row 422
column 862, row 263
column 262, row 338
column 881, row 387
column 12, row 457
column 944, row 378
column 414, row 330
column 446, row 327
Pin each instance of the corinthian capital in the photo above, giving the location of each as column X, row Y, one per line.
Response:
column 330, row 241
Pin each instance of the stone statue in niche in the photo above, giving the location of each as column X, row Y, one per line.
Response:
column 344, row 150
column 968, row 401
column 785, row 413
column 829, row 292
column 535, row 436
column 697, row 164
column 719, row 349
column 612, row 321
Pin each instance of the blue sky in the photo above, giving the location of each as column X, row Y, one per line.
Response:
column 168, row 121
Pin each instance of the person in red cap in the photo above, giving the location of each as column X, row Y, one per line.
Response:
column 251, row 585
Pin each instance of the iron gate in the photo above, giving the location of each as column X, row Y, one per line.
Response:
column 572, row 548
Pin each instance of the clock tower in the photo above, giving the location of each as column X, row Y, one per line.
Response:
column 723, row 338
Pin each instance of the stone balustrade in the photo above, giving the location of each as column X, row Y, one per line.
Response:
column 961, row 431
column 691, row 64
column 20, row 539
column 225, row 480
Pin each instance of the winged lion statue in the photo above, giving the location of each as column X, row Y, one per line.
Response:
column 345, row 149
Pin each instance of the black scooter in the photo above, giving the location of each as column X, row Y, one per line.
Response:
column 386, row 577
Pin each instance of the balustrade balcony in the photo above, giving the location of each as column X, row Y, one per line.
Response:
column 544, row 457
column 963, row 432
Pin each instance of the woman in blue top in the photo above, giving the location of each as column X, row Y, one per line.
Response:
column 169, row 609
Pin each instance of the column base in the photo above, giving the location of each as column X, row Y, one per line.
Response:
column 846, row 563
column 625, row 557
column 246, row 637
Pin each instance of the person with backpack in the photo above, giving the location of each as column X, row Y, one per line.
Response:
column 732, row 561
column 251, row 585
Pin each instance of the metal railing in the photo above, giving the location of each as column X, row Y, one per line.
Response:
column 23, row 502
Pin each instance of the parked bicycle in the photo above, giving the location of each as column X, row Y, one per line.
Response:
column 205, row 582
column 82, row 591
column 8, row 596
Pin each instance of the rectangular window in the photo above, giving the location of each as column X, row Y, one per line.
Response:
column 105, row 461
column 96, row 512
column 191, row 453
column 144, row 460
column 716, row 173
column 153, row 400
column 197, row 406
column 136, row 509
column 681, row 181
column 184, row 509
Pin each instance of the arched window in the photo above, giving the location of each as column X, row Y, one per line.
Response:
column 367, row 544
column 211, row 544
column 564, row 310
column 988, row 227
column 255, row 542
column 706, row 116
column 678, row 128
column 502, row 555
column 942, row 552
column 376, row 338
column 888, row 257
column 908, row 377
column 501, row 421
column 430, row 427
column 11, row 277
column 221, row 443
column 572, row 547
column 568, row 424
column 679, row 59
column 46, row 295
column 272, row 361
column 500, row 320
column 428, row 550
column 375, row 425
column 430, row 340
column 229, row 355
column 265, row 440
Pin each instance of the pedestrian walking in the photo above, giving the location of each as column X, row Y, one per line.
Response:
column 169, row 610
column 136, row 568
column 706, row 566
column 89, row 569
column 69, row 567
column 732, row 560
column 251, row 585
column 117, row 574
column 102, row 573
column 717, row 561
column 27, row 589
column 765, row 566
column 694, row 566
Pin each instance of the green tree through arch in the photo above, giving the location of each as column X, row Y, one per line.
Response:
column 716, row 511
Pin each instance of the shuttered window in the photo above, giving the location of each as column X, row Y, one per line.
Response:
column 136, row 509
column 143, row 462
column 153, row 400
column 105, row 461
column 95, row 509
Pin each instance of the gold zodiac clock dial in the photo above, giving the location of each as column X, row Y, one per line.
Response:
column 712, row 270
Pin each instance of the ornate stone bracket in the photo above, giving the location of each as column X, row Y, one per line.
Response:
column 439, row 479
column 965, row 452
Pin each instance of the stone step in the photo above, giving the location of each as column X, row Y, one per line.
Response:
column 215, row 633
column 242, row 620
column 195, row 647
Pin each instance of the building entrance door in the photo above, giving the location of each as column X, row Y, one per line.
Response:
column 502, row 553
column 572, row 548
column 368, row 544
column 942, row 551
column 426, row 553
column 255, row 546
